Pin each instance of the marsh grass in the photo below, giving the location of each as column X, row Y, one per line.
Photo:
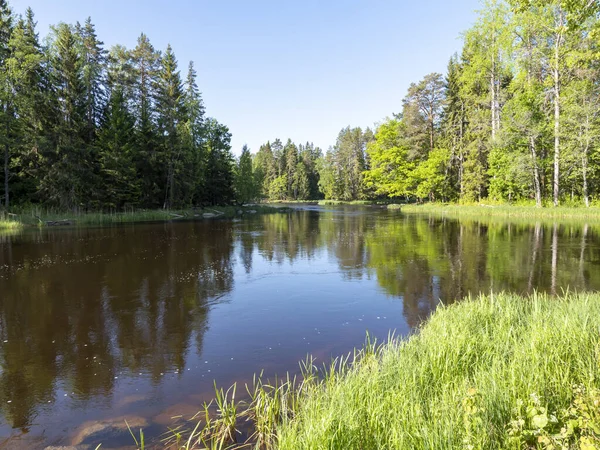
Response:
column 9, row 222
column 516, row 211
column 37, row 216
column 496, row 372
column 342, row 202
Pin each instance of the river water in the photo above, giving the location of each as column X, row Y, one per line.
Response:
column 136, row 322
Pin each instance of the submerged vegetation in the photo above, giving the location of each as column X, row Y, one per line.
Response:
column 497, row 372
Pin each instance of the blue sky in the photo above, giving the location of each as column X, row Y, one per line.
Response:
column 275, row 68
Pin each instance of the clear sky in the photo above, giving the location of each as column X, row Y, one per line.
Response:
column 301, row 69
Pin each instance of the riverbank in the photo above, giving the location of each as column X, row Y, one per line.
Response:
column 533, row 212
column 36, row 217
column 500, row 371
column 9, row 225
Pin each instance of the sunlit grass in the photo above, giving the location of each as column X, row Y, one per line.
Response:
column 343, row 202
column 9, row 222
column 496, row 372
column 452, row 210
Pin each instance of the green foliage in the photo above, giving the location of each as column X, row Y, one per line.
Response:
column 390, row 170
column 246, row 186
column 85, row 129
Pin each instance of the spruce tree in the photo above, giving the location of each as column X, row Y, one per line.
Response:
column 245, row 184
column 116, row 154
column 93, row 60
column 219, row 171
column 194, row 161
column 29, row 83
column 7, row 115
column 170, row 109
column 67, row 179
column 146, row 66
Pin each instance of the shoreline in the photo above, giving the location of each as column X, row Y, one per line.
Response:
column 50, row 219
column 507, row 211
column 496, row 371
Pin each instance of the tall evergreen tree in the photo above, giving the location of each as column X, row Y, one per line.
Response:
column 30, row 88
column 170, row 108
column 245, row 183
column 116, row 144
column 146, row 65
column 93, row 68
column 6, row 95
column 66, row 181
column 194, row 163
column 219, row 171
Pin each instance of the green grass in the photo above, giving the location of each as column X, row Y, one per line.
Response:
column 452, row 210
column 497, row 372
column 9, row 222
column 41, row 216
column 9, row 225
column 342, row 202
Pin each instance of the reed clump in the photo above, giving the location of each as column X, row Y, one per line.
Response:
column 495, row 372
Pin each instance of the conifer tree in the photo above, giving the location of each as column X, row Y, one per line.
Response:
column 245, row 182
column 170, row 109
column 7, row 115
column 219, row 171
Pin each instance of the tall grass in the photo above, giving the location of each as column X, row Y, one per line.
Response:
column 518, row 211
column 343, row 202
column 38, row 216
column 496, row 372
column 9, row 222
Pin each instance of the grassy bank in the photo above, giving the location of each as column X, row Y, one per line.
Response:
column 342, row 202
column 497, row 372
column 504, row 211
column 46, row 217
column 9, row 225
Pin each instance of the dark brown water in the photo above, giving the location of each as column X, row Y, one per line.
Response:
column 98, row 325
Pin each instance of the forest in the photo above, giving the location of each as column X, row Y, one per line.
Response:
column 515, row 118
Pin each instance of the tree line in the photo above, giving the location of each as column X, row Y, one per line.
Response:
column 94, row 129
column 516, row 117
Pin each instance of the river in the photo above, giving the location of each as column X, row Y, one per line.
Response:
column 100, row 325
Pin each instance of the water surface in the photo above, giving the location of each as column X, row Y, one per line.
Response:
column 137, row 321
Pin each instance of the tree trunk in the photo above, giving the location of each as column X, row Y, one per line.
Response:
column 584, row 168
column 536, row 173
column 556, row 76
column 554, row 274
column 6, row 168
column 494, row 99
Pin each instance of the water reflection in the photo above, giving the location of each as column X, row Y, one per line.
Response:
column 81, row 308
